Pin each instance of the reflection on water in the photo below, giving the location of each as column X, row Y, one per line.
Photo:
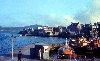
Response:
column 5, row 41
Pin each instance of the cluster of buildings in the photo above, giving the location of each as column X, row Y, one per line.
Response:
column 51, row 52
column 77, row 34
column 86, row 30
column 83, row 34
column 81, row 38
column 53, row 31
column 84, row 42
column 44, row 31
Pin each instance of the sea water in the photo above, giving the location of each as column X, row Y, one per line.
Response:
column 6, row 41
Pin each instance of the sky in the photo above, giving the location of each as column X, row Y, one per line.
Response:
column 48, row 12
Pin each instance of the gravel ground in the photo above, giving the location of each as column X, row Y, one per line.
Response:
column 2, row 58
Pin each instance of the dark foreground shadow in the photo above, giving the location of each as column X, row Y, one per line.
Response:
column 15, row 55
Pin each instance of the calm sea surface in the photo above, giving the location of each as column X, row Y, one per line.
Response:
column 5, row 41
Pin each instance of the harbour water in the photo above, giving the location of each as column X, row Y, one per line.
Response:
column 6, row 41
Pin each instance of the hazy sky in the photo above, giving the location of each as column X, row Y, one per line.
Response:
column 45, row 12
